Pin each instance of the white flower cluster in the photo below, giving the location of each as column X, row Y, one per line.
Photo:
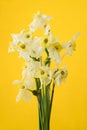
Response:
column 33, row 48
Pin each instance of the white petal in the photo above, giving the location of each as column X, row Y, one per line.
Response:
column 26, row 96
column 17, row 81
column 29, row 81
column 47, row 30
column 53, row 39
column 23, row 94
column 76, row 36
column 33, row 26
column 46, row 17
column 57, row 81
column 70, row 51
column 24, row 72
column 54, row 55
column 15, row 38
column 19, row 96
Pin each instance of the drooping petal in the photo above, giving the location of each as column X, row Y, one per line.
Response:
column 23, row 94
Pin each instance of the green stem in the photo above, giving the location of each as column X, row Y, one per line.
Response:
column 39, row 99
column 43, row 97
column 48, row 104
column 39, row 114
column 51, row 102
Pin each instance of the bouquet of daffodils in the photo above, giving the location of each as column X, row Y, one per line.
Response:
column 39, row 77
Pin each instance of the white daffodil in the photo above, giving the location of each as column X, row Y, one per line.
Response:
column 23, row 94
column 28, row 75
column 48, row 40
column 39, row 21
column 35, row 49
column 70, row 46
column 54, row 55
column 53, row 46
column 32, row 69
column 24, row 37
column 21, row 43
column 25, row 83
column 54, row 49
column 45, row 74
column 32, row 48
column 45, row 43
column 60, row 75
column 24, row 55
column 53, row 40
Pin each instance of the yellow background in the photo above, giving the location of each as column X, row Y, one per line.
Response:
column 70, row 102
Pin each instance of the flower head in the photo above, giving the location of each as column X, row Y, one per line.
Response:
column 60, row 75
column 70, row 46
column 39, row 21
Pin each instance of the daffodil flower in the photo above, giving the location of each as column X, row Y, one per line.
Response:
column 60, row 75
column 39, row 21
column 45, row 74
column 45, row 41
column 24, row 85
column 22, row 40
column 49, row 40
column 32, row 69
column 70, row 46
column 21, row 43
column 24, row 37
column 35, row 49
column 54, row 49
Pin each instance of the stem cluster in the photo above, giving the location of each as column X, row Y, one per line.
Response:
column 44, row 104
